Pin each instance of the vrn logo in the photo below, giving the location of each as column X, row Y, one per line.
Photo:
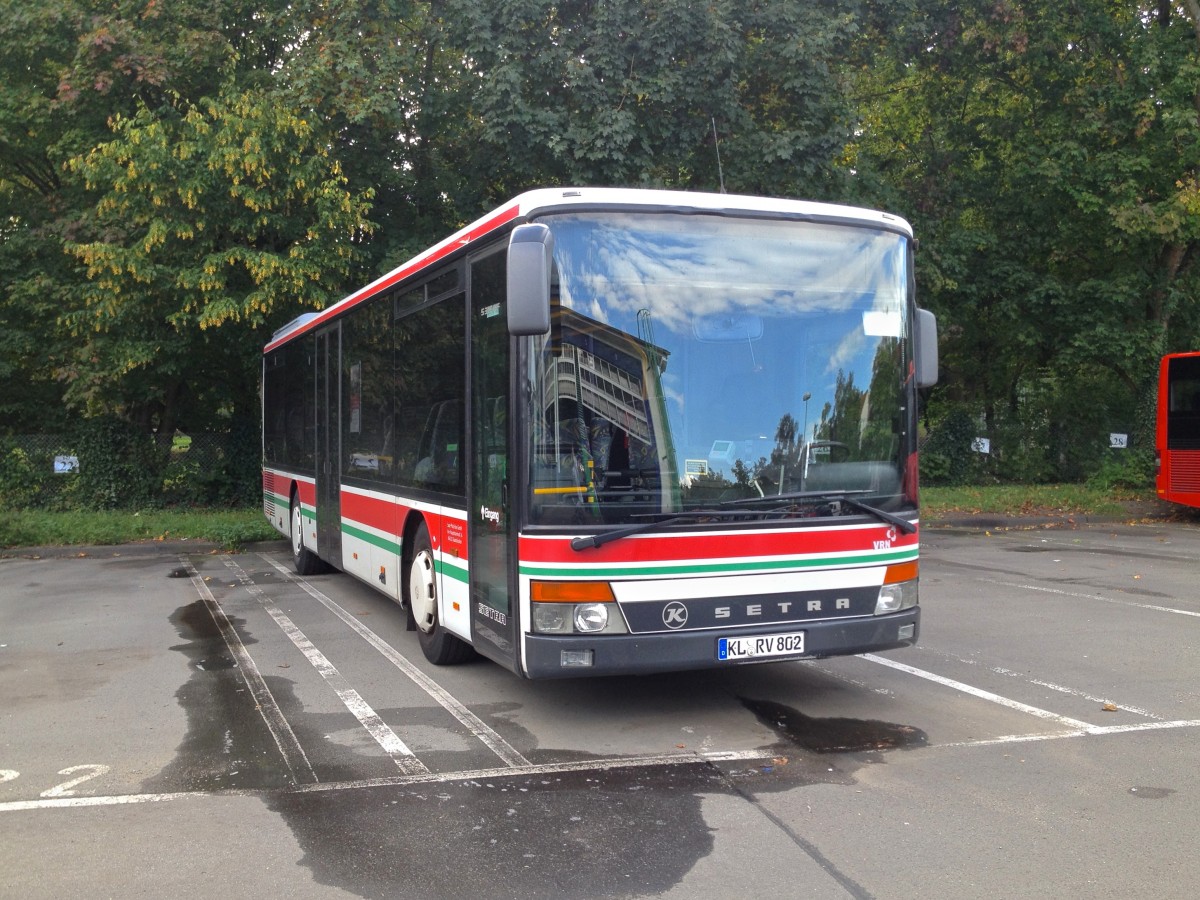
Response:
column 886, row 544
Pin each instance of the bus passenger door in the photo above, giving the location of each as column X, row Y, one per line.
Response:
column 329, row 507
column 494, row 627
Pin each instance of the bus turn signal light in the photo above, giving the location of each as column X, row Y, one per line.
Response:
column 900, row 572
column 571, row 592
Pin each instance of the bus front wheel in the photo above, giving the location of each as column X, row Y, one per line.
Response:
column 439, row 646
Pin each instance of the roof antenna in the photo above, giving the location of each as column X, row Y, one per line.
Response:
column 717, row 145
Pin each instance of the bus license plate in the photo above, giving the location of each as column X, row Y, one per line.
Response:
column 760, row 646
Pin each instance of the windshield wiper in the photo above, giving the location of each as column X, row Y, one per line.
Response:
column 589, row 541
column 692, row 515
column 891, row 518
column 832, row 496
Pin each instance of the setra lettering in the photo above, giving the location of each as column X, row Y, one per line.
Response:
column 781, row 607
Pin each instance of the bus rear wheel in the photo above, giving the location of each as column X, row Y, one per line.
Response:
column 305, row 561
column 439, row 646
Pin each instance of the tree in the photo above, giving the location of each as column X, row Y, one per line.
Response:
column 191, row 194
column 1045, row 156
column 225, row 213
column 631, row 93
column 389, row 85
column 36, row 206
column 66, row 67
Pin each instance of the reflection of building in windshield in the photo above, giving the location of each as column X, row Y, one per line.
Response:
column 603, row 389
column 603, row 435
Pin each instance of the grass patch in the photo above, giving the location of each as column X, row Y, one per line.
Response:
column 1030, row 500
column 232, row 529
column 229, row 528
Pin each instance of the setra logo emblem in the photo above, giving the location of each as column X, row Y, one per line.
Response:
column 674, row 614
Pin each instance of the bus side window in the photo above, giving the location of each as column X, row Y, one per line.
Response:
column 429, row 377
column 439, row 462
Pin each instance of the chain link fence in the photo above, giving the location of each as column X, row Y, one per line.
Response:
column 107, row 469
column 961, row 449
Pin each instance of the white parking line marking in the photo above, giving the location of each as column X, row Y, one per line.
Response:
column 387, row 739
column 1049, row 685
column 1076, row 728
column 285, row 739
column 1060, row 592
column 1074, row 724
column 1094, row 731
column 482, row 731
column 1143, row 726
column 84, row 802
column 471, row 775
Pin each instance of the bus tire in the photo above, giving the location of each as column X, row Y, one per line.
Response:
column 439, row 646
column 305, row 561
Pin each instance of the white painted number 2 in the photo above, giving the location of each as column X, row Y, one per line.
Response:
column 92, row 770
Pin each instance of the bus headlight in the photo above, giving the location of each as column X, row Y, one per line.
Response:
column 552, row 618
column 577, row 618
column 591, row 617
column 899, row 589
column 895, row 597
column 575, row 607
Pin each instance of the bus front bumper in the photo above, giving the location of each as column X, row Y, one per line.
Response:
column 574, row 656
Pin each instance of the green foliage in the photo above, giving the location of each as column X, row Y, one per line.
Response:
column 1024, row 500
column 178, row 180
column 227, row 210
column 946, row 456
column 227, row 214
column 68, row 68
column 1054, row 429
column 629, row 92
column 1124, row 469
column 119, row 464
column 1048, row 163
column 119, row 468
column 28, row 478
column 216, row 473
column 229, row 529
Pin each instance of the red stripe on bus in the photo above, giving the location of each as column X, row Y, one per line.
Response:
column 725, row 546
column 445, row 531
column 280, row 484
column 308, row 492
column 372, row 511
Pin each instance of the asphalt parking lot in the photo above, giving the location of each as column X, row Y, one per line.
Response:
column 176, row 720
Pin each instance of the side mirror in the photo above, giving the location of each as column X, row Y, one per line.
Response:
column 926, row 350
column 530, row 260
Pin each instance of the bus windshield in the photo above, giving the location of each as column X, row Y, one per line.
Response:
column 695, row 360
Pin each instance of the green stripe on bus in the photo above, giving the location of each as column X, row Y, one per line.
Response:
column 451, row 571
column 372, row 539
column 721, row 568
column 280, row 500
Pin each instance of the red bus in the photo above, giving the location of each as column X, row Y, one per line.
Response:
column 609, row 431
column 1177, row 429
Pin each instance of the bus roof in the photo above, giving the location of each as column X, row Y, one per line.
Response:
column 545, row 200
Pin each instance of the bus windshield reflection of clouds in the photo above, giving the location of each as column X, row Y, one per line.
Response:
column 698, row 359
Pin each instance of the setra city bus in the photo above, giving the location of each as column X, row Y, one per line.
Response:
column 605, row 431
column 1177, row 429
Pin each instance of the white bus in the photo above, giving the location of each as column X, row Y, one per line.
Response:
column 609, row 431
